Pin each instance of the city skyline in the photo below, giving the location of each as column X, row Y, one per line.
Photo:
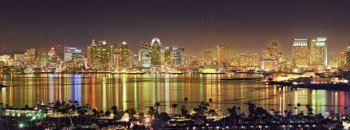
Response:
column 42, row 24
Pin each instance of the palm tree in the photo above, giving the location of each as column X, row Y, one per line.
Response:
column 186, row 99
column 298, row 105
column 210, row 101
column 114, row 109
column 157, row 105
column 309, row 109
column 289, row 105
column 174, row 107
column 345, row 108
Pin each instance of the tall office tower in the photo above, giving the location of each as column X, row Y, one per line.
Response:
column 19, row 57
column 243, row 60
column 99, row 56
column 125, row 56
column 208, row 57
column 178, row 56
column 156, row 52
column 222, row 55
column 89, row 51
column 67, row 54
column 73, row 58
column 272, row 56
column 145, row 54
column 347, row 62
column 318, row 51
column 42, row 57
column 235, row 60
column 5, row 60
column 254, row 60
column 168, row 56
column 52, row 56
column 341, row 59
column 29, row 55
column 72, row 53
column 301, row 53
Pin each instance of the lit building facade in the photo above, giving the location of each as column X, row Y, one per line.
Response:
column 5, row 59
column 122, row 57
column 178, row 56
column 156, row 52
column 300, row 53
column 42, row 57
column 208, row 57
column 318, row 52
column 99, row 55
column 341, row 59
column 167, row 58
column 272, row 56
column 145, row 54
column 222, row 55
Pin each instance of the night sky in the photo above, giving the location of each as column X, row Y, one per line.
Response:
column 197, row 25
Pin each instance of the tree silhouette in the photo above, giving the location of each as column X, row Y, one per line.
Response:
column 174, row 105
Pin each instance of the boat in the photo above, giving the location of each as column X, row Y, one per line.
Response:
column 173, row 72
column 332, row 83
column 237, row 79
column 211, row 71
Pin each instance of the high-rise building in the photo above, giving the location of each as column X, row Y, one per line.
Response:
column 249, row 60
column 72, row 53
column 99, row 55
column 178, row 56
column 208, row 57
column 341, row 59
column 222, row 55
column 123, row 55
column 42, row 57
column 254, row 60
column 168, row 56
column 243, row 60
column 272, row 56
column 52, row 57
column 347, row 61
column 318, row 51
column 29, row 55
column 156, row 52
column 145, row 54
column 5, row 59
column 301, row 53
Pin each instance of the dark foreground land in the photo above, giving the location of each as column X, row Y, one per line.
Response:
column 72, row 115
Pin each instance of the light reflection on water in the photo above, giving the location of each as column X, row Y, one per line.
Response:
column 141, row 91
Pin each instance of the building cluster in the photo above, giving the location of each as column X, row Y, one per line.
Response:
column 100, row 56
column 97, row 57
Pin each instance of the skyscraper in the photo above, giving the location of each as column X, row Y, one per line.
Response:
column 145, row 54
column 123, row 56
column 168, row 56
column 42, row 57
column 208, row 57
column 29, row 56
column 222, row 55
column 341, row 59
column 156, row 52
column 72, row 53
column 301, row 53
column 178, row 56
column 347, row 63
column 99, row 56
column 52, row 57
column 272, row 56
column 318, row 51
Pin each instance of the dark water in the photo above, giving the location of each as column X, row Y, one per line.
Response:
column 141, row 91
